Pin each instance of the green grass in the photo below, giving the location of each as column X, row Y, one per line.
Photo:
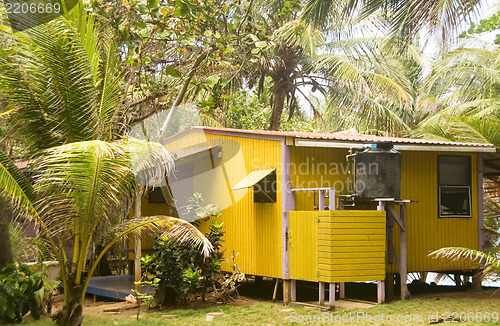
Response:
column 417, row 312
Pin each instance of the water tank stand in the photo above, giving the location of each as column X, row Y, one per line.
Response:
column 392, row 218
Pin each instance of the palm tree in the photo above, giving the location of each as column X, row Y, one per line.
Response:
column 466, row 80
column 59, row 83
column 361, row 74
column 63, row 85
column 62, row 81
column 385, row 93
column 286, row 57
column 77, row 188
column 404, row 19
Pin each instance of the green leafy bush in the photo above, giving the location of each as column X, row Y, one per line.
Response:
column 18, row 287
column 183, row 267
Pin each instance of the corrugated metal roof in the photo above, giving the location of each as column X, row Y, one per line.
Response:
column 344, row 137
column 252, row 178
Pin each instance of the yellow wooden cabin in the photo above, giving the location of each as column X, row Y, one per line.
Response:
column 288, row 208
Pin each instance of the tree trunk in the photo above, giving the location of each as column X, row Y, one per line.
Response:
column 71, row 313
column 280, row 92
column 5, row 246
column 6, row 256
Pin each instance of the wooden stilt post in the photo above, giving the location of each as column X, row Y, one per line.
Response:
column 476, row 282
column 321, row 293
column 342, row 290
column 275, row 292
column 137, row 245
column 380, row 292
column 389, row 283
column 293, row 291
column 403, row 254
column 331, row 295
column 286, row 291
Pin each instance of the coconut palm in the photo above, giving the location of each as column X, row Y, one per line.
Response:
column 287, row 58
column 385, row 95
column 466, row 80
column 77, row 188
column 361, row 74
column 62, row 82
column 59, row 83
column 404, row 19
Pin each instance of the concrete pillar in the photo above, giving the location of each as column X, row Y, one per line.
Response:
column 293, row 291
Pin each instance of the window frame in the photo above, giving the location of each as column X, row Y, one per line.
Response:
column 468, row 162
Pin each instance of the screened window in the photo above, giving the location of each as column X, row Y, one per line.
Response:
column 454, row 178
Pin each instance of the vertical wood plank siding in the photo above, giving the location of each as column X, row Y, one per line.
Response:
column 317, row 167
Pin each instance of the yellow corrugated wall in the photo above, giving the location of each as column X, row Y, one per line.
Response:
column 317, row 167
column 252, row 229
column 426, row 232
column 337, row 246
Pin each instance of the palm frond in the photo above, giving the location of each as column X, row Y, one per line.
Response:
column 15, row 187
column 63, row 78
column 151, row 162
column 165, row 226
column 299, row 33
column 490, row 260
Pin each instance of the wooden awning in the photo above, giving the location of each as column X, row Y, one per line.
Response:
column 252, row 178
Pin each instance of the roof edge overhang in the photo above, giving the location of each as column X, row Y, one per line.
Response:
column 335, row 143
column 397, row 146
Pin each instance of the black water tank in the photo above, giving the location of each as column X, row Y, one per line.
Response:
column 378, row 171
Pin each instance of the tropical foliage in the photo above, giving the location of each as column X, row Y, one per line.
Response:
column 61, row 95
column 18, row 286
column 490, row 259
column 72, row 88
column 77, row 188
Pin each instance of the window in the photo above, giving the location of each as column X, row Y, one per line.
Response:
column 156, row 196
column 264, row 191
column 454, row 183
column 263, row 183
